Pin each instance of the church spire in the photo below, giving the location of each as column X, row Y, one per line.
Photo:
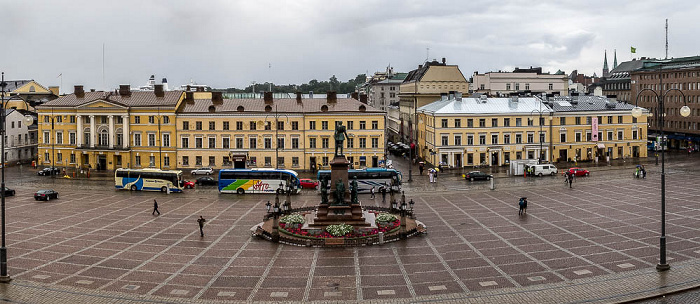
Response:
column 615, row 61
column 606, row 71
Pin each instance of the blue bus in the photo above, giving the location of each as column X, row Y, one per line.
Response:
column 148, row 180
column 368, row 178
column 261, row 180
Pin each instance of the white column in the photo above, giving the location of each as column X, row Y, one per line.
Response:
column 111, row 132
column 92, row 131
column 125, row 132
column 79, row 133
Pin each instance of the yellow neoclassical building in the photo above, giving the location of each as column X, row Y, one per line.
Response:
column 460, row 132
column 109, row 130
column 290, row 133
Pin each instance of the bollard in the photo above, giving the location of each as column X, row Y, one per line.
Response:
column 493, row 184
column 381, row 238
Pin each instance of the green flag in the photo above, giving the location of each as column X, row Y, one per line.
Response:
column 633, row 49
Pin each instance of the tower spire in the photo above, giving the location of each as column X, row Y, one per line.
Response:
column 615, row 60
column 606, row 71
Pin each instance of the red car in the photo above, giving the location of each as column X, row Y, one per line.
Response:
column 579, row 172
column 308, row 183
column 188, row 185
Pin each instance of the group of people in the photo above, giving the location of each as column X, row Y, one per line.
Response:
column 569, row 178
column 200, row 220
column 640, row 171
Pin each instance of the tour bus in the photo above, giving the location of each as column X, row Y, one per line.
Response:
column 148, row 180
column 368, row 178
column 261, row 180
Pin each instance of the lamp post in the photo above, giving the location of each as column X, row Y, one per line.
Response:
column 539, row 135
column 277, row 142
column 685, row 112
column 160, row 143
column 4, row 277
column 410, row 150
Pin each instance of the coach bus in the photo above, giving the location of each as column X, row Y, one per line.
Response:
column 261, row 180
column 148, row 180
column 368, row 178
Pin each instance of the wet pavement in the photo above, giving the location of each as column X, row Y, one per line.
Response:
column 595, row 242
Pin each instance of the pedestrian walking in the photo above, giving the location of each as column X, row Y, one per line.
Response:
column 521, row 204
column 524, row 205
column 431, row 175
column 155, row 207
column 371, row 193
column 420, row 168
column 201, row 221
column 571, row 179
column 382, row 190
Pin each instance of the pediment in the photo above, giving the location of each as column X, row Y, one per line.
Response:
column 101, row 104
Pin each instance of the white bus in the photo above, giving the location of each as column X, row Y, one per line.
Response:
column 148, row 180
column 257, row 180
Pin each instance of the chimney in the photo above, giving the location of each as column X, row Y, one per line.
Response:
column 124, row 90
column 188, row 88
column 443, row 96
column 158, row 90
column 420, row 66
column 165, row 84
column 217, row 98
column 452, row 95
column 79, row 93
column 200, row 89
column 268, row 97
column 298, row 96
column 443, row 60
column 354, row 95
column 189, row 97
column 331, row 97
column 458, row 95
column 363, row 99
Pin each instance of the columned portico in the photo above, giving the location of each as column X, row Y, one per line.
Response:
column 92, row 131
column 111, row 131
column 79, row 135
column 125, row 132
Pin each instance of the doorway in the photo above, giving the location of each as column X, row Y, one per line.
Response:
column 563, row 155
column 375, row 161
column 312, row 163
column 458, row 160
column 102, row 162
column 494, row 158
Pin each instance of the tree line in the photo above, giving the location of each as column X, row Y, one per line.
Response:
column 318, row 87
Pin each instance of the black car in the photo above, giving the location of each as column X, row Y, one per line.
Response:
column 45, row 195
column 477, row 175
column 206, row 181
column 9, row 192
column 49, row 171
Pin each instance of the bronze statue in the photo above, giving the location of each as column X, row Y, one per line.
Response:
column 339, row 192
column 353, row 191
column 324, row 191
column 340, row 136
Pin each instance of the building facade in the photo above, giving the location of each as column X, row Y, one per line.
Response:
column 109, row 130
column 458, row 132
column 20, row 140
column 421, row 87
column 289, row 133
column 520, row 80
column 660, row 76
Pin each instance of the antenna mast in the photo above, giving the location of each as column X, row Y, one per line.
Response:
column 427, row 53
column 666, row 38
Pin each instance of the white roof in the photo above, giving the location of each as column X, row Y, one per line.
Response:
column 522, row 105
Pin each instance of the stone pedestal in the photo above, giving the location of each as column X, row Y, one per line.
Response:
column 339, row 212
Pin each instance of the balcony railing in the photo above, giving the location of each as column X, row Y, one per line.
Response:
column 99, row 147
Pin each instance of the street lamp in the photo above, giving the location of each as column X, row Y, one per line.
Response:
column 4, row 277
column 277, row 141
column 636, row 113
column 410, row 150
column 539, row 135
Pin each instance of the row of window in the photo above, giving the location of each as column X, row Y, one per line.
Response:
column 104, row 119
column 267, row 143
column 103, row 139
column 252, row 125
column 252, row 161
column 118, row 159
column 457, row 122
column 517, row 86
column 530, row 137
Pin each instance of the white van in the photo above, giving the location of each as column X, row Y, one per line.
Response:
column 547, row 169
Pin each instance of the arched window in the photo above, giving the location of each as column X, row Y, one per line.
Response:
column 104, row 138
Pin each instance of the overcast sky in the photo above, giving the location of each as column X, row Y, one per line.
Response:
column 233, row 43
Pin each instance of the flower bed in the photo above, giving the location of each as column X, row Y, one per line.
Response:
column 293, row 228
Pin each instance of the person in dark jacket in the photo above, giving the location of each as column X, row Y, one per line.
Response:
column 155, row 207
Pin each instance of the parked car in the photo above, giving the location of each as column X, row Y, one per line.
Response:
column 206, row 181
column 308, row 183
column 188, row 184
column 579, row 171
column 477, row 175
column 45, row 195
column 203, row 170
column 49, row 171
column 9, row 192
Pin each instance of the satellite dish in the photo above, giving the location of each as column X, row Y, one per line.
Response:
column 28, row 120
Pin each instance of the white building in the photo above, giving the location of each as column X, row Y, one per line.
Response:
column 520, row 80
column 21, row 139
